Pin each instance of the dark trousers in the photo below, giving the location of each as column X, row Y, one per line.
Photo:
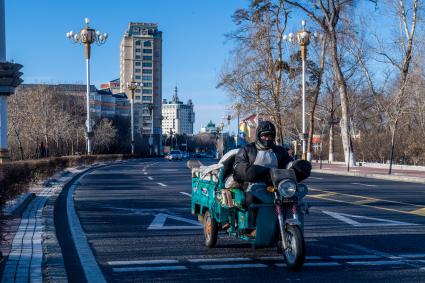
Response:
column 250, row 199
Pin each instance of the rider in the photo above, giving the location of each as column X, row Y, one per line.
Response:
column 254, row 161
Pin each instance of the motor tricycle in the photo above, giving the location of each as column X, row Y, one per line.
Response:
column 220, row 205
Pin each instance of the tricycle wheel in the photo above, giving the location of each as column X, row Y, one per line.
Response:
column 210, row 230
column 294, row 253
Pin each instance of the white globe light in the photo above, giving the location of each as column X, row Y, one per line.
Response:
column 303, row 23
column 97, row 33
column 87, row 20
column 285, row 37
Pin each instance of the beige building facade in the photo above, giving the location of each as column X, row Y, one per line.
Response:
column 141, row 61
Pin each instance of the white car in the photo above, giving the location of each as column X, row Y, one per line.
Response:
column 175, row 155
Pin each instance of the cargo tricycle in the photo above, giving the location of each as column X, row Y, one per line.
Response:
column 220, row 205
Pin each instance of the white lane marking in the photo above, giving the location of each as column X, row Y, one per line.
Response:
column 140, row 262
column 149, row 268
column 355, row 256
column 186, row 194
column 229, row 266
column 313, row 257
column 161, row 184
column 347, row 218
column 361, row 184
column 271, row 258
column 146, row 173
column 412, row 255
column 150, row 178
column 224, row 259
column 376, row 263
column 159, row 221
column 354, row 170
column 321, row 264
column 87, row 259
column 318, row 178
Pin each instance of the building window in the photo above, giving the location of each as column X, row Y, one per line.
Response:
column 147, row 98
column 147, row 78
column 147, row 44
column 138, row 50
column 137, row 91
column 147, row 71
column 147, row 58
column 137, row 97
column 138, row 56
column 137, row 77
column 147, row 64
column 147, row 91
column 138, row 43
column 147, row 84
column 137, row 63
column 146, row 51
column 137, row 70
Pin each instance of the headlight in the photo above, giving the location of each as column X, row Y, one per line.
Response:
column 287, row 188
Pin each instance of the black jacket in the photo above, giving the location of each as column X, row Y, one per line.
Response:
column 246, row 171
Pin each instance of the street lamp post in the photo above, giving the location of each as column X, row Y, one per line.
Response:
column 303, row 40
column 132, row 86
column 151, row 106
column 222, row 139
column 87, row 36
column 238, row 112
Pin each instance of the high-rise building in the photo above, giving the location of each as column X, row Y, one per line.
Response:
column 141, row 61
column 178, row 118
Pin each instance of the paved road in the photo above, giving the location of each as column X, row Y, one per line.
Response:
column 137, row 220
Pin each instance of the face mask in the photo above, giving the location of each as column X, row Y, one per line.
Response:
column 267, row 143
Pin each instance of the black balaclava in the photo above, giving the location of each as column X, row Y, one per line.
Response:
column 263, row 128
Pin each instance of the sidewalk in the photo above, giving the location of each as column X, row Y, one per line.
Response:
column 372, row 171
column 25, row 237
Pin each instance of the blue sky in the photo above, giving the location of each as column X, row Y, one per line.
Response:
column 194, row 47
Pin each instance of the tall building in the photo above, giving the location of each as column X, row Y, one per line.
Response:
column 141, row 61
column 178, row 118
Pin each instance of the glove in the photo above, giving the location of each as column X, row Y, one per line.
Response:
column 302, row 169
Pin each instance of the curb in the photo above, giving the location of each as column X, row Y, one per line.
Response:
column 373, row 176
column 53, row 262
column 20, row 205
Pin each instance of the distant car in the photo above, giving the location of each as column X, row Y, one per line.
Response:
column 186, row 155
column 174, row 155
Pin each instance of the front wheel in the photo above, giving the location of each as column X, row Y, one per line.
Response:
column 210, row 230
column 294, row 253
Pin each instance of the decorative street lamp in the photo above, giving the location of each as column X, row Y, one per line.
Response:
column 303, row 40
column 238, row 107
column 222, row 138
column 87, row 36
column 132, row 86
column 151, row 106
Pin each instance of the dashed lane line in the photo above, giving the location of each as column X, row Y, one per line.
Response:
column 317, row 178
column 149, row 268
column 362, row 184
column 162, row 185
column 384, row 259
column 232, row 266
column 150, row 178
column 141, row 262
column 376, row 263
column 355, row 256
column 186, row 194
column 224, row 259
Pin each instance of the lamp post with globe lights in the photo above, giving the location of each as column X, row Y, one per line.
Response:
column 303, row 39
column 87, row 36
column 132, row 86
